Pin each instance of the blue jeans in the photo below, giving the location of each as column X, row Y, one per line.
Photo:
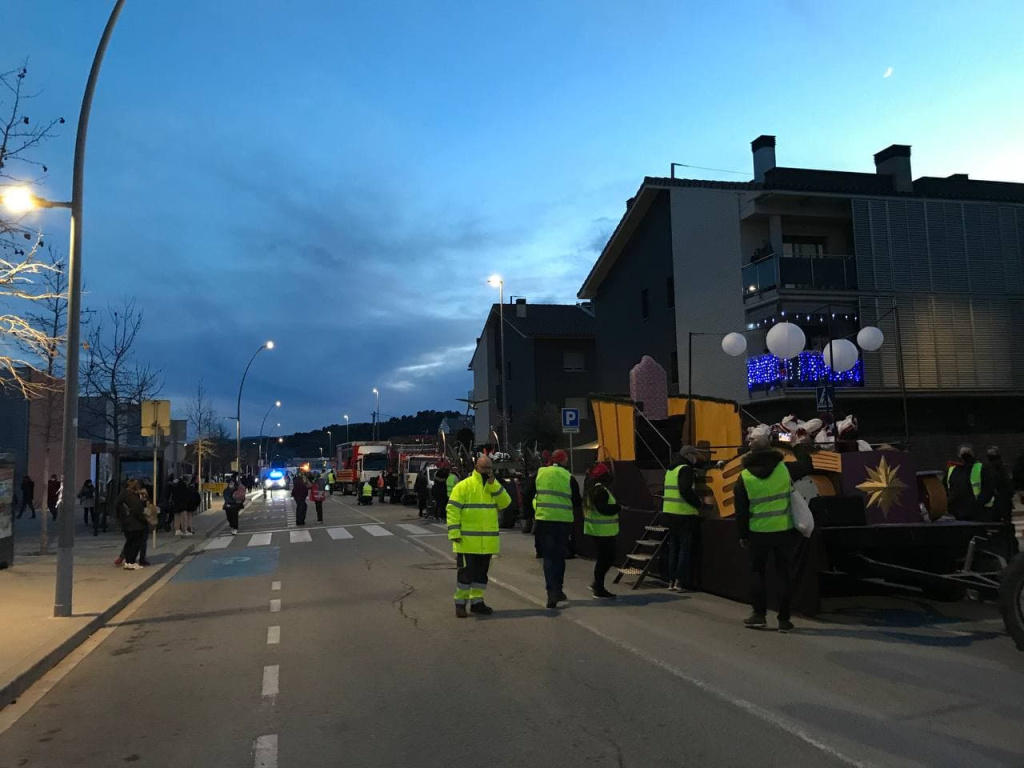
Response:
column 553, row 543
column 680, row 550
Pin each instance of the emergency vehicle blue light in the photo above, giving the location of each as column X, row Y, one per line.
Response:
column 276, row 474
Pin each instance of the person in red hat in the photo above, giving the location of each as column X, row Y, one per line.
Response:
column 601, row 523
column 555, row 502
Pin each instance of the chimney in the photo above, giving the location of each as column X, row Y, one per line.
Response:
column 520, row 307
column 763, row 148
column 894, row 161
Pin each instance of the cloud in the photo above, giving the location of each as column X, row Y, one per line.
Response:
column 888, row 72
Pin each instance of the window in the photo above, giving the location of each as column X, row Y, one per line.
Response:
column 674, row 373
column 574, row 361
column 670, row 296
column 803, row 247
column 579, row 403
column 645, row 306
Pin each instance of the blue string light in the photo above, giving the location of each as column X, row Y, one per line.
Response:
column 807, row 369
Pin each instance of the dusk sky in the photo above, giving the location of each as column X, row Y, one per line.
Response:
column 342, row 177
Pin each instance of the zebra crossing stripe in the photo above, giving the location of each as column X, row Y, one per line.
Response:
column 299, row 536
column 413, row 529
column 377, row 530
column 260, row 539
column 339, row 533
column 219, row 543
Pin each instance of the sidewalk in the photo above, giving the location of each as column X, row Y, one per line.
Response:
column 31, row 641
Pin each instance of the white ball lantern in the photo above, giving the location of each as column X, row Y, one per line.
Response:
column 734, row 344
column 841, row 355
column 870, row 338
column 786, row 340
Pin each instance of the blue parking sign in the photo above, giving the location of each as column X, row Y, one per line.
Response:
column 570, row 420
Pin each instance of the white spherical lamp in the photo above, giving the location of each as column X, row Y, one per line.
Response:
column 786, row 340
column 840, row 355
column 870, row 338
column 734, row 344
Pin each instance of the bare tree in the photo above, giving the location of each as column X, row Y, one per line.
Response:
column 202, row 418
column 114, row 382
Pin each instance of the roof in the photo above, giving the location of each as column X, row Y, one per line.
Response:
column 544, row 321
column 810, row 180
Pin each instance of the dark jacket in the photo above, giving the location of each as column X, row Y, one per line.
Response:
column 131, row 511
column 761, row 464
column 420, row 486
column 179, row 495
column 299, row 489
column 28, row 489
column 194, row 499
column 52, row 491
column 439, row 492
column 602, row 502
column 962, row 504
column 1002, row 510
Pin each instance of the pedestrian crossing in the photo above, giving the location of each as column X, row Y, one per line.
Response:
column 334, row 533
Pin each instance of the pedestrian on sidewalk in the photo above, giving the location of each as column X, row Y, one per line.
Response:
column 764, row 521
column 419, row 487
column 179, row 495
column 195, row 500
column 1002, row 508
column 317, row 494
column 473, row 530
column 299, row 492
column 132, row 516
column 232, row 503
column 381, row 486
column 680, row 508
column 555, row 503
column 52, row 493
column 87, row 498
column 28, row 495
column 601, row 523
column 439, row 492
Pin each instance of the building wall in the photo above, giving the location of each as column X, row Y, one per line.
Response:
column 708, row 255
column 482, row 386
column 623, row 336
column 522, row 385
column 14, row 431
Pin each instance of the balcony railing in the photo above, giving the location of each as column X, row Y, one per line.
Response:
column 814, row 273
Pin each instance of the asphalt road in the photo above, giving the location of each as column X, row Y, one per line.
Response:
column 337, row 645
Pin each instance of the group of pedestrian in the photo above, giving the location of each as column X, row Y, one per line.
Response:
column 312, row 487
column 135, row 520
column 979, row 491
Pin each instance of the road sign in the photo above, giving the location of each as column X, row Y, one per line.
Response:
column 826, row 397
column 155, row 413
column 570, row 421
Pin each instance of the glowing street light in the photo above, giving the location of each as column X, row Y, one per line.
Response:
column 238, row 408
column 376, row 416
column 496, row 281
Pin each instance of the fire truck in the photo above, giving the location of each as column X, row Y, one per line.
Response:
column 360, row 462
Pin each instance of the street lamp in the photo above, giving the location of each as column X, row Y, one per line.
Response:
column 496, row 281
column 330, row 444
column 347, row 438
column 238, row 407
column 21, row 200
column 376, row 416
column 276, row 404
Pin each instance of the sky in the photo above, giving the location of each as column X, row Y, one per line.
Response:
column 342, row 177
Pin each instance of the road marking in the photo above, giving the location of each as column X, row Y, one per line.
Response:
column 413, row 529
column 377, row 530
column 338, row 533
column 275, row 586
column 271, row 680
column 266, row 751
column 259, row 540
column 273, row 635
column 783, row 723
column 275, row 605
column 440, row 526
column 219, row 543
column 299, row 536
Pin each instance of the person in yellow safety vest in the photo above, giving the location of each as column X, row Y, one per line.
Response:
column 556, row 500
column 970, row 488
column 764, row 520
column 451, row 481
column 330, row 482
column 473, row 530
column 680, row 509
column 601, row 523
column 366, row 493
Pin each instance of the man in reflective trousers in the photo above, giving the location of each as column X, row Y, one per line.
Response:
column 473, row 530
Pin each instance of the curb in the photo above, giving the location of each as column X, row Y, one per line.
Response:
column 10, row 692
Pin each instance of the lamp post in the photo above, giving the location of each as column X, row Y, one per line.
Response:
column 330, row 445
column 376, row 416
column 347, row 438
column 275, row 404
column 499, row 282
column 238, row 407
column 22, row 199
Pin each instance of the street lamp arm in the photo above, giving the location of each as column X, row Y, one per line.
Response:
column 238, row 409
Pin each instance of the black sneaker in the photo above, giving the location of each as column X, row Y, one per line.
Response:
column 755, row 621
column 552, row 600
column 602, row 593
column 481, row 608
column 460, row 611
column 785, row 625
column 561, row 597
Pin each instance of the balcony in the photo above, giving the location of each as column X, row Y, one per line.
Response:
column 804, row 273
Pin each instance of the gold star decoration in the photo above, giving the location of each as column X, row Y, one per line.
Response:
column 883, row 486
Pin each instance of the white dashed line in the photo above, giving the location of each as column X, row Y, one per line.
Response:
column 299, row 536
column 271, row 680
column 275, row 606
column 219, row 543
column 260, row 540
column 413, row 529
column 273, row 635
column 377, row 530
column 338, row 533
column 265, row 748
column 275, row 586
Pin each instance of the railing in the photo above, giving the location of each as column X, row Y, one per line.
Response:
column 816, row 273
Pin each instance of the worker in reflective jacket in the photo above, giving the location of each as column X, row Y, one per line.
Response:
column 555, row 502
column 764, row 520
column 680, row 508
column 473, row 530
column 970, row 488
column 601, row 523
